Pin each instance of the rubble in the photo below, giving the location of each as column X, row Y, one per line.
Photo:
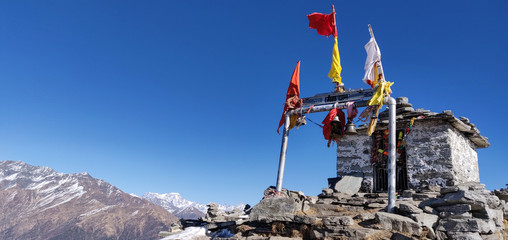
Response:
column 464, row 211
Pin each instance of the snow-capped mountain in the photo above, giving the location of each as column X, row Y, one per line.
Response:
column 39, row 203
column 181, row 207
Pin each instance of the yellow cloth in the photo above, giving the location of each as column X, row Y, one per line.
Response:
column 334, row 73
column 382, row 90
column 292, row 121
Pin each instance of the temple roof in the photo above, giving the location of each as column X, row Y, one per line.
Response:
column 405, row 112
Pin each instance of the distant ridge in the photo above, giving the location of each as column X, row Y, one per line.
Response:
column 183, row 208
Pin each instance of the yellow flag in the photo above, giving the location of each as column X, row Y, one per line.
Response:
column 334, row 73
column 383, row 90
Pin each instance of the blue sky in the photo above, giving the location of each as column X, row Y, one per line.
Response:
column 185, row 96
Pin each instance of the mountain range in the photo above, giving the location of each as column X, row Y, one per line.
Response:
column 39, row 203
column 183, row 208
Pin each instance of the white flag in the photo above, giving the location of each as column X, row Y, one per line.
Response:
column 373, row 70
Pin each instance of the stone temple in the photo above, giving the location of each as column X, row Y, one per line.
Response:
column 439, row 150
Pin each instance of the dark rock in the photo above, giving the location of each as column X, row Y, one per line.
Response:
column 400, row 236
column 457, row 208
column 408, row 193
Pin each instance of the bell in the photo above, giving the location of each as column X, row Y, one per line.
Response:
column 350, row 129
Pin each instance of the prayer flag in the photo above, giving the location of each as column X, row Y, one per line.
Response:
column 292, row 95
column 323, row 23
column 335, row 70
column 373, row 70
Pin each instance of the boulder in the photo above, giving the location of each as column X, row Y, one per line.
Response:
column 390, row 221
column 275, row 209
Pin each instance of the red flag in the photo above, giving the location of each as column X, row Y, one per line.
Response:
column 293, row 94
column 324, row 23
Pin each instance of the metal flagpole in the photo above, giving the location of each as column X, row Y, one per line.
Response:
column 283, row 150
column 391, row 153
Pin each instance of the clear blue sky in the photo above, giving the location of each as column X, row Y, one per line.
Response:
column 185, row 96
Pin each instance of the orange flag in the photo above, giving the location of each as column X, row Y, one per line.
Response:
column 293, row 94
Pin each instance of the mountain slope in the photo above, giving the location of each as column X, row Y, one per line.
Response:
column 39, row 203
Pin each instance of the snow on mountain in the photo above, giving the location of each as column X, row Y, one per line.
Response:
column 175, row 203
column 39, row 203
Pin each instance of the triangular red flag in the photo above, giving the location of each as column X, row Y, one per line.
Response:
column 293, row 90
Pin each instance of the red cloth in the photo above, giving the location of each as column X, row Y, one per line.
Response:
column 327, row 128
column 324, row 23
column 293, row 90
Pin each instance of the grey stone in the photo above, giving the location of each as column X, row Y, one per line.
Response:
column 456, row 208
column 327, row 192
column 336, row 221
column 401, row 100
column 425, row 219
column 349, row 184
column 377, row 205
column 365, row 216
column 467, row 225
column 429, row 210
column 275, row 209
column 464, row 236
column 409, row 208
column 455, row 215
column 408, row 193
column 390, row 221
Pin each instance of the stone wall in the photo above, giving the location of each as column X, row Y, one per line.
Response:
column 353, row 156
column 464, row 159
column 429, row 154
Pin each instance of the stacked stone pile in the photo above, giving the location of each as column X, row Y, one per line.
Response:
column 466, row 211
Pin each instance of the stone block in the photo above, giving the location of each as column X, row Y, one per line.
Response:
column 390, row 221
column 409, row 208
column 456, row 208
column 467, row 225
column 338, row 221
column 425, row 219
column 455, row 215
column 365, row 216
column 464, row 236
column 408, row 193
column 349, row 184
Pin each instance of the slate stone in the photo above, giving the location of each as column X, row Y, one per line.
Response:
column 425, row 219
column 349, row 184
column 274, row 209
column 464, row 236
column 409, row 208
column 467, row 225
column 390, row 221
column 456, row 208
column 455, row 215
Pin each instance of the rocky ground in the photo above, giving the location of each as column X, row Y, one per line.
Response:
column 467, row 211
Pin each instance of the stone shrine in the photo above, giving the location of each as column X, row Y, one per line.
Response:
column 439, row 150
